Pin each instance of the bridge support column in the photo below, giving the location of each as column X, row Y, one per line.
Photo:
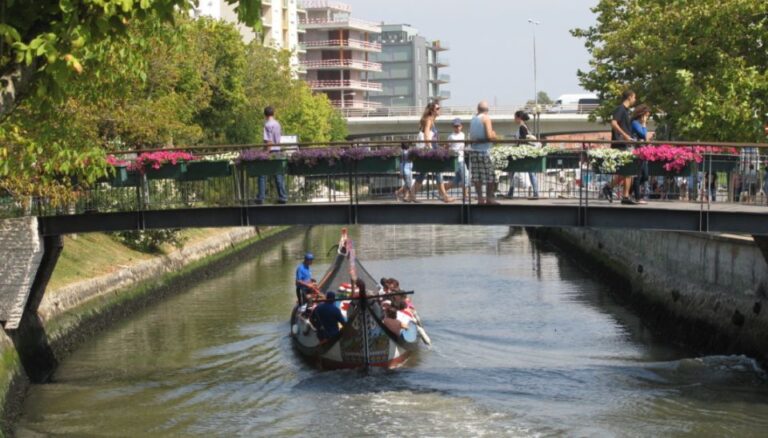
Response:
column 762, row 242
column 27, row 260
column 30, row 339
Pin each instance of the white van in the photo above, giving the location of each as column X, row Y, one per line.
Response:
column 574, row 104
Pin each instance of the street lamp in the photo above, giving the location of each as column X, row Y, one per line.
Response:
column 535, row 85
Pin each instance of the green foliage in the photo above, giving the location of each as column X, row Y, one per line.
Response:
column 701, row 64
column 150, row 241
column 161, row 84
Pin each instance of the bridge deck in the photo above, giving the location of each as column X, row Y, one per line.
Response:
column 659, row 215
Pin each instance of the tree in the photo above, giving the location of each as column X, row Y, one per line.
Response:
column 40, row 38
column 701, row 64
column 543, row 99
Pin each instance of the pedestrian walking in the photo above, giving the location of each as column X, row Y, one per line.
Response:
column 639, row 127
column 272, row 137
column 430, row 136
column 523, row 133
column 457, row 145
column 480, row 166
column 621, row 129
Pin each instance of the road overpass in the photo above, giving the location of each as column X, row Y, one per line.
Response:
column 379, row 124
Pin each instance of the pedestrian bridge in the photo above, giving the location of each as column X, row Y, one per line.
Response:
column 347, row 184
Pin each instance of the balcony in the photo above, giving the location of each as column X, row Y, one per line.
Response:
column 356, row 104
column 439, row 46
column 340, row 23
column 441, row 79
column 323, row 4
column 444, row 94
column 441, row 62
column 347, row 64
column 344, row 85
column 336, row 44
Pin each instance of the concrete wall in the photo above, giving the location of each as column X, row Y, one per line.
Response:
column 712, row 290
column 21, row 249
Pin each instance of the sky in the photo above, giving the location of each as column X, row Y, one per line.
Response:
column 491, row 43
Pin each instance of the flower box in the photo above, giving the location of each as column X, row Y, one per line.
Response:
column 440, row 166
column 563, row 161
column 202, row 170
column 629, row 169
column 656, row 168
column 537, row 165
column 167, row 171
column 377, row 165
column 123, row 178
column 265, row 167
column 321, row 168
column 719, row 163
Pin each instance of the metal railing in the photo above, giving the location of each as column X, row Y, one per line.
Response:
column 356, row 104
column 358, row 64
column 324, row 4
column 722, row 183
column 370, row 26
column 345, row 84
column 351, row 43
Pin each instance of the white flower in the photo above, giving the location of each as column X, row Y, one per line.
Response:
column 607, row 160
column 500, row 155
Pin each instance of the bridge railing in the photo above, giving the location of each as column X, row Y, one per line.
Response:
column 705, row 176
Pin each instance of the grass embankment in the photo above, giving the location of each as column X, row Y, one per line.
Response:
column 94, row 254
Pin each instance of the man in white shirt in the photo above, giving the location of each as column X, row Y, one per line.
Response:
column 456, row 139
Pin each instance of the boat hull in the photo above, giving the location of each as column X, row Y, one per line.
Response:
column 352, row 348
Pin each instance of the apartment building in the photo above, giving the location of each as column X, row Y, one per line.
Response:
column 411, row 74
column 280, row 24
column 337, row 54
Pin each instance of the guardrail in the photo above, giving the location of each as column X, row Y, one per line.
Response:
column 351, row 43
column 324, row 4
column 356, row 104
column 342, row 63
column 345, row 84
column 371, row 26
column 723, row 181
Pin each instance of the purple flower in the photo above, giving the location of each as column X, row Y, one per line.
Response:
column 439, row 154
column 257, row 155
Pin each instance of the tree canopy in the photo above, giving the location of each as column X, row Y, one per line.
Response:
column 164, row 83
column 700, row 64
column 44, row 41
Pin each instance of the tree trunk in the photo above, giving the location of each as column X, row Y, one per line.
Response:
column 15, row 82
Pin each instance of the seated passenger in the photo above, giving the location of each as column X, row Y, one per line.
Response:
column 404, row 315
column 391, row 321
column 329, row 316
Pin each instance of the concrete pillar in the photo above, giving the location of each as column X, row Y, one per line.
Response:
column 30, row 339
column 27, row 261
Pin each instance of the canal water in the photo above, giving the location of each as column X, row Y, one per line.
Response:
column 525, row 344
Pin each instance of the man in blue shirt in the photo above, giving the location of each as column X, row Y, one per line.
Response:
column 329, row 316
column 304, row 277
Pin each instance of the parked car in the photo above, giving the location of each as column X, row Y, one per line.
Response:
column 574, row 104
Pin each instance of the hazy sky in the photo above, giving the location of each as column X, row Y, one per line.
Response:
column 491, row 43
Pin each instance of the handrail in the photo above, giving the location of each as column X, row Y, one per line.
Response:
column 349, row 21
column 352, row 43
column 374, row 86
column 582, row 144
column 340, row 63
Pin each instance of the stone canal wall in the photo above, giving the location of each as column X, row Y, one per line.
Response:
column 74, row 312
column 708, row 291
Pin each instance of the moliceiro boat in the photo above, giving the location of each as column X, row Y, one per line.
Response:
column 364, row 340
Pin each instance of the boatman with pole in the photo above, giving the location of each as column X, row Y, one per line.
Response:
column 304, row 278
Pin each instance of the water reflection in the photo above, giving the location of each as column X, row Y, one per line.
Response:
column 525, row 343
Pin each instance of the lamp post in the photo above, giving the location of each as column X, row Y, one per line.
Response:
column 535, row 85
